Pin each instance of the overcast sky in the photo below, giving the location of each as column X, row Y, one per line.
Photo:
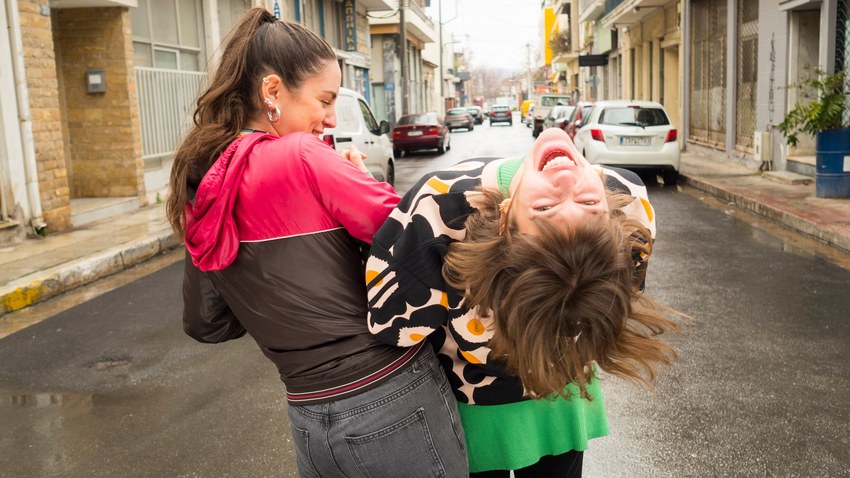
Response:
column 495, row 31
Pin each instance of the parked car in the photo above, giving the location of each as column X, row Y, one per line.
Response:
column 355, row 124
column 633, row 135
column 528, row 118
column 420, row 131
column 501, row 114
column 558, row 116
column 459, row 118
column 541, row 109
column 523, row 110
column 475, row 112
column 574, row 121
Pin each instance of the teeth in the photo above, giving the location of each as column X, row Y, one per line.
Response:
column 557, row 161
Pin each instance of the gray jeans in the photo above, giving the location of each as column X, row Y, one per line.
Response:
column 407, row 426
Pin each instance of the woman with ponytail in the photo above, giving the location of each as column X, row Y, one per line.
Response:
column 274, row 221
column 526, row 276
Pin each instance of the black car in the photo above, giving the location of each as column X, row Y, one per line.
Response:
column 501, row 114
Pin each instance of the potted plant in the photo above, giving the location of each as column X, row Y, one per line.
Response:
column 820, row 112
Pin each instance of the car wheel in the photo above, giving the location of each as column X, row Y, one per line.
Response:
column 470, row 128
column 535, row 133
column 670, row 177
column 442, row 147
column 390, row 179
column 396, row 152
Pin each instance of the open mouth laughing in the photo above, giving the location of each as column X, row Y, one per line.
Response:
column 554, row 158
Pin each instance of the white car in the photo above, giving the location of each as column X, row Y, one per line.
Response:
column 356, row 124
column 631, row 134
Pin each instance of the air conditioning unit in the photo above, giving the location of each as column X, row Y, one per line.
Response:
column 763, row 146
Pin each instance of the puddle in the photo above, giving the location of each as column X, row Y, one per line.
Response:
column 47, row 400
column 771, row 233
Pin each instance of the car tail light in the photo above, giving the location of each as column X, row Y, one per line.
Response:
column 329, row 139
column 433, row 130
column 596, row 134
column 396, row 133
column 672, row 135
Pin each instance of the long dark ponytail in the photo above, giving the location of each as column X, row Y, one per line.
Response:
column 259, row 44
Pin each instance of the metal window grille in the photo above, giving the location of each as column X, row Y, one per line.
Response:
column 747, row 73
column 708, row 72
column 842, row 48
column 166, row 104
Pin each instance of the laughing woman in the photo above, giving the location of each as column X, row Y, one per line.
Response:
column 525, row 275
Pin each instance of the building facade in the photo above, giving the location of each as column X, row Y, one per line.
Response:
column 97, row 94
column 721, row 68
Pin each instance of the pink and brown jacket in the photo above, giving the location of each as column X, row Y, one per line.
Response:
column 274, row 233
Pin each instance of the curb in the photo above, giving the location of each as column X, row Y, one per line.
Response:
column 51, row 282
column 785, row 218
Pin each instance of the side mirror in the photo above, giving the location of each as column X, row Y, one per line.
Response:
column 384, row 127
column 578, row 124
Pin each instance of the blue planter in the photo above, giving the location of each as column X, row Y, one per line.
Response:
column 832, row 174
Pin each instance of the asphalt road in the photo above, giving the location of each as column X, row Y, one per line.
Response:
column 110, row 386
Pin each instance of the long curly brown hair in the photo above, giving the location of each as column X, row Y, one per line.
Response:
column 258, row 45
column 564, row 299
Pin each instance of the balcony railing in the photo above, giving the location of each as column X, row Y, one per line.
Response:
column 166, row 104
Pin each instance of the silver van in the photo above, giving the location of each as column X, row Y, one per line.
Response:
column 356, row 124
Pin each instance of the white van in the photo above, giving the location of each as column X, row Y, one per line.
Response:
column 356, row 124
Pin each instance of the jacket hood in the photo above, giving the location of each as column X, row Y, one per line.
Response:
column 212, row 238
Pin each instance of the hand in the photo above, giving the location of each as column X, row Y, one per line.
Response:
column 356, row 157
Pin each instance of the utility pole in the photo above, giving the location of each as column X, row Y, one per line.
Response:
column 529, row 79
column 403, row 54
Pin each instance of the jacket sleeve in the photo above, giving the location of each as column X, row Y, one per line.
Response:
column 407, row 296
column 206, row 316
column 358, row 202
column 628, row 182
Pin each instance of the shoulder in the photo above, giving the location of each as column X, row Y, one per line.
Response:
column 623, row 180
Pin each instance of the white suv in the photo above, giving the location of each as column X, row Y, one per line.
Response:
column 632, row 135
column 356, row 124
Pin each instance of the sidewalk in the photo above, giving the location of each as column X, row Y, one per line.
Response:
column 38, row 269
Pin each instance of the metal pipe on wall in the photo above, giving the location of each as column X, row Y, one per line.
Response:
column 30, row 167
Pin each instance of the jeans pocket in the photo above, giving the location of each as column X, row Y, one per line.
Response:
column 402, row 449
column 301, row 438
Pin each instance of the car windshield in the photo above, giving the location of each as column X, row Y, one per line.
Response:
column 473, row 109
column 456, row 111
column 554, row 101
column 634, row 116
column 418, row 119
column 564, row 112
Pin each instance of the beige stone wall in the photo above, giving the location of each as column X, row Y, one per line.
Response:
column 104, row 139
column 43, row 90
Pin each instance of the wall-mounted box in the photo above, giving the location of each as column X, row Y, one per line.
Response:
column 95, row 81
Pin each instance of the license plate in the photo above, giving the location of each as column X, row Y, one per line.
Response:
column 414, row 133
column 634, row 140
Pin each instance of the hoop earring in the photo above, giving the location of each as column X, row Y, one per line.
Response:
column 273, row 110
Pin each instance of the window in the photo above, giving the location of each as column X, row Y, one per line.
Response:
column 168, row 34
column 371, row 124
column 633, row 116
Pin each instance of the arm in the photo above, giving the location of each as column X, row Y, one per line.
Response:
column 206, row 316
column 408, row 297
column 627, row 182
column 353, row 198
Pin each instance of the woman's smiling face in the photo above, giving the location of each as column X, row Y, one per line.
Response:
column 558, row 184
